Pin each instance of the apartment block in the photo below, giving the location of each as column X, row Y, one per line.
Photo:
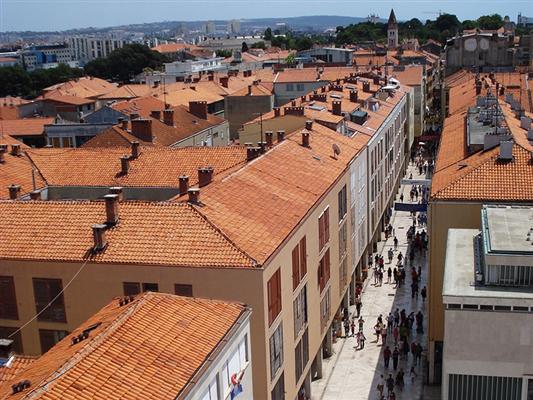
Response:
column 85, row 48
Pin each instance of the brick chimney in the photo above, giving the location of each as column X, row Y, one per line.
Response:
column 249, row 90
column 111, row 209
column 124, row 124
column 118, row 190
column 205, row 176
column 281, row 136
column 252, row 152
column 269, row 135
column 15, row 149
column 14, row 191
column 210, row 78
column 293, row 103
column 142, row 129
column 35, row 195
column 156, row 114
column 2, row 157
column 366, row 86
column 305, row 138
column 198, row 108
column 224, row 80
column 337, row 108
column 277, row 112
column 135, row 149
column 353, row 96
column 168, row 117
column 184, row 183
column 100, row 241
column 124, row 164
column 376, row 80
column 309, row 125
column 194, row 195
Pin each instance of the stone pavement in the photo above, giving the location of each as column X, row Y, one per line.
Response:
column 354, row 375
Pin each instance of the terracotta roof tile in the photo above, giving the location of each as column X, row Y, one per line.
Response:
column 67, row 99
column 174, row 47
column 87, row 87
column 150, row 348
column 16, row 364
column 142, row 106
column 127, row 92
column 148, row 233
column 25, row 126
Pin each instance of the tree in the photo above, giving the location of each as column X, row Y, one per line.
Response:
column 303, row 43
column 268, row 34
column 469, row 24
column 447, row 22
column 291, row 59
column 490, row 22
column 244, row 48
column 223, row 53
column 259, row 45
column 124, row 63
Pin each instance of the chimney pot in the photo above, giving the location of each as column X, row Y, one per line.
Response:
column 305, row 139
column 168, row 117
column 249, row 90
column 277, row 111
column 156, row 114
column 99, row 237
column 281, row 136
column 2, row 157
column 142, row 129
column 35, row 195
column 184, row 184
column 135, row 149
column 125, row 164
column 353, row 96
column 15, row 149
column 205, row 176
column 111, row 209
column 14, row 191
column 198, row 108
column 337, row 108
column 123, row 123
column 269, row 135
column 118, row 190
column 309, row 125
column 194, row 195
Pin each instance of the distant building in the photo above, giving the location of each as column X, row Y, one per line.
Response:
column 488, row 278
column 330, row 55
column 47, row 56
column 230, row 43
column 522, row 20
column 8, row 62
column 209, row 28
column 234, row 26
column 86, row 48
column 392, row 31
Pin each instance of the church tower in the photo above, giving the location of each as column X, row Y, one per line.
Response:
column 392, row 31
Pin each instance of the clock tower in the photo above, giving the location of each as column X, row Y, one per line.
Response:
column 392, row 31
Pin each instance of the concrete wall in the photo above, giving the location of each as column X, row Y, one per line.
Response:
column 217, row 135
column 241, row 109
column 283, row 96
column 251, row 133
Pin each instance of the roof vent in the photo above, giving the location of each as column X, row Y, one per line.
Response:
column 15, row 149
column 305, row 138
column 14, row 191
column 184, row 184
column 124, row 164
column 19, row 387
column 281, row 136
column 111, row 209
column 135, row 149
column 194, row 195
column 100, row 241
column 506, row 150
column 118, row 190
column 309, row 125
column 269, row 135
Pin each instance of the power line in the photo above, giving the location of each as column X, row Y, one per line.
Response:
column 54, row 299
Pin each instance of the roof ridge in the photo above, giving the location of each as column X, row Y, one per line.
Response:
column 35, row 167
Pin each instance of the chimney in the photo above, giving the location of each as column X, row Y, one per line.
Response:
column 35, row 195
column 135, row 149
column 224, row 81
column 198, row 108
column 305, row 138
column 205, row 176
column 337, row 108
column 366, row 86
column 15, row 149
column 269, row 135
column 262, row 146
column 124, row 164
column 249, row 90
column 252, row 152
column 118, row 190
column 293, row 103
column 281, row 136
column 309, row 125
column 100, row 241
column 277, row 112
column 156, row 114
column 353, row 96
column 2, row 157
column 506, row 150
column 124, row 124
column 210, row 77
column 376, row 80
column 168, row 117
column 14, row 191
column 478, row 88
column 184, row 183
column 111, row 209
column 194, row 195
column 142, row 129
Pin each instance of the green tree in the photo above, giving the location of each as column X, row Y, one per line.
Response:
column 291, row 59
column 268, row 34
column 303, row 43
column 491, row 22
column 259, row 45
column 15, row 81
column 124, row 63
column 469, row 24
column 447, row 22
column 244, row 47
column 223, row 53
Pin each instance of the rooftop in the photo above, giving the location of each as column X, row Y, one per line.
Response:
column 86, row 87
column 507, row 229
column 152, row 347
column 24, row 127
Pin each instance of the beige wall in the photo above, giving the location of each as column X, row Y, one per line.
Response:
column 218, row 135
column 251, row 133
column 241, row 109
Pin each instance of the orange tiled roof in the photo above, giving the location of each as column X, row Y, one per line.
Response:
column 149, row 348
column 280, row 188
column 67, row 99
column 17, row 170
column 174, row 47
column 412, row 75
column 148, row 233
column 87, row 87
column 25, row 126
column 155, row 166
column 16, row 365
column 127, row 92
column 142, row 106
column 113, row 137
column 257, row 90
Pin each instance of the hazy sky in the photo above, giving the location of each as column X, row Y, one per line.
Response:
column 64, row 14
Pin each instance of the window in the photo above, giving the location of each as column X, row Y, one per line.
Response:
column 212, row 391
column 466, row 387
column 49, row 338
column 300, row 87
column 67, row 142
column 45, row 290
column 134, row 288
column 183, row 290
column 289, row 87
column 274, row 296
column 343, row 240
column 323, row 229
column 325, row 309
column 150, row 287
column 299, row 306
column 343, row 274
column 301, row 355
column 299, row 263
column 342, row 203
column 236, row 363
column 8, row 299
column 278, row 393
column 276, row 351
column 5, row 331
column 323, row 271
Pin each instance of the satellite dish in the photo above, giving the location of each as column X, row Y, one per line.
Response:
column 336, row 150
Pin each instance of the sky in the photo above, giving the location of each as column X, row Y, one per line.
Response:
column 39, row 15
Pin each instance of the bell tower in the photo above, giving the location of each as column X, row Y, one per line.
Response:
column 392, row 31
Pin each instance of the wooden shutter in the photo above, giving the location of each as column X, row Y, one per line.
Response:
column 8, row 300
column 295, row 267
column 326, row 226
column 303, row 258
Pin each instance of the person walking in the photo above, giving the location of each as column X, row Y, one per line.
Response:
column 390, row 386
column 346, row 328
column 383, row 335
column 358, row 305
column 395, row 243
column 419, row 354
column 414, row 349
column 389, row 275
column 381, row 387
column 390, row 322
column 399, row 379
column 352, row 326
column 387, row 353
column 362, row 339
column 390, row 254
column 395, row 357
column 424, row 294
column 361, row 323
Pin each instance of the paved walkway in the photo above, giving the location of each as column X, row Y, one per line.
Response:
column 353, row 375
